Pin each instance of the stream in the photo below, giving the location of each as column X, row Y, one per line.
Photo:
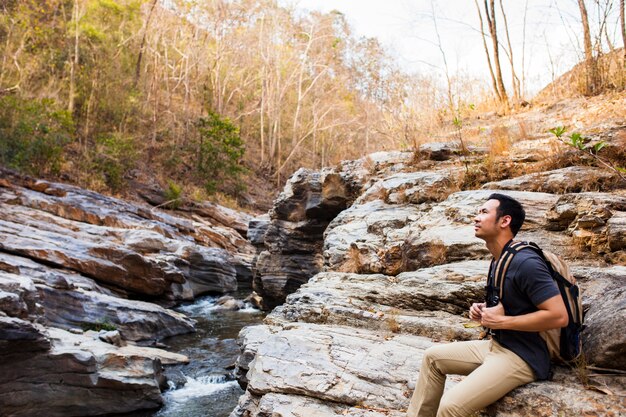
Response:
column 210, row 390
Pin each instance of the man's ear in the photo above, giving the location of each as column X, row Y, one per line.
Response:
column 505, row 221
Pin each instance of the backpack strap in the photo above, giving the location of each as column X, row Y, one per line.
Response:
column 502, row 265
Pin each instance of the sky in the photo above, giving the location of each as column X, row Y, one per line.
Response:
column 550, row 47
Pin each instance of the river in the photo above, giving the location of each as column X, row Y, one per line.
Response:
column 210, row 389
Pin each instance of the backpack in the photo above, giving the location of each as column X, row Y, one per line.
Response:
column 564, row 344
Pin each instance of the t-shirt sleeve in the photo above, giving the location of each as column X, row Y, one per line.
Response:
column 534, row 279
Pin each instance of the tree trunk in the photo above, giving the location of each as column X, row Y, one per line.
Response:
column 623, row 24
column 514, row 79
column 74, row 62
column 490, row 12
column 590, row 63
column 143, row 43
column 482, row 32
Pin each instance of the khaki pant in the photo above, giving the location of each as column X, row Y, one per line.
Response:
column 492, row 371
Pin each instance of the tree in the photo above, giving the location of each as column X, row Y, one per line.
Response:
column 490, row 15
column 622, row 20
column 591, row 84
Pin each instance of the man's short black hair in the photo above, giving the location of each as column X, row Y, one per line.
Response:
column 509, row 207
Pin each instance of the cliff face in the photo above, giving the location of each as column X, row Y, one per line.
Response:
column 400, row 268
column 85, row 278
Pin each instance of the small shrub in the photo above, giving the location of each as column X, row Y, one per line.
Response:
column 219, row 151
column 114, row 156
column 102, row 324
column 33, row 134
column 173, row 195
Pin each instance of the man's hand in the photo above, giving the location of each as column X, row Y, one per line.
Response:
column 493, row 317
column 475, row 311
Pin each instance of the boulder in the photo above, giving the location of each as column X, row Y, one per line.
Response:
column 412, row 187
column 439, row 151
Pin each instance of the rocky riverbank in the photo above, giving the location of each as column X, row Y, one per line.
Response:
column 384, row 257
column 86, row 286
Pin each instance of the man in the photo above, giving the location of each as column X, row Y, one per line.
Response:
column 516, row 354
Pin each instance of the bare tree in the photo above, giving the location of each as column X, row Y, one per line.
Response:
column 514, row 79
column 482, row 32
column 590, row 62
column 143, row 42
column 496, row 70
column 623, row 25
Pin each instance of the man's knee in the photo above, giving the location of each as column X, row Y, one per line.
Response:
column 451, row 408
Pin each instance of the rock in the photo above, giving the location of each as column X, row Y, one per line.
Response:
column 526, row 151
column 254, row 300
column 250, row 338
column 311, row 195
column 379, row 238
column 223, row 216
column 257, row 229
column 429, row 302
column 412, row 187
column 136, row 320
column 132, row 248
column 399, row 277
column 438, row 151
column 229, row 303
column 616, row 231
column 292, row 405
column 604, row 344
column 276, row 276
column 112, row 337
column 565, row 180
column 106, row 378
column 20, row 337
column 594, row 220
column 344, row 365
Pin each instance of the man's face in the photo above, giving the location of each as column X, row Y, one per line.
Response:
column 485, row 223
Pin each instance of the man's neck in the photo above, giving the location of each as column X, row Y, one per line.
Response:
column 496, row 245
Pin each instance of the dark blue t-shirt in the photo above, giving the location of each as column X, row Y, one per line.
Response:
column 527, row 284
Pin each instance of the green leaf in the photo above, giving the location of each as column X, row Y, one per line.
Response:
column 577, row 140
column 598, row 146
column 620, row 169
column 557, row 131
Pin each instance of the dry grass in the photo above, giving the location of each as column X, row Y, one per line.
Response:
column 353, row 261
column 391, row 321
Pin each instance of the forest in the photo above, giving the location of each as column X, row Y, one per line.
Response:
column 200, row 95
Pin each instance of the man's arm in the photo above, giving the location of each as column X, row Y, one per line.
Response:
column 552, row 314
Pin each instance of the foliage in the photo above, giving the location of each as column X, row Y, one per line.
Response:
column 113, row 156
column 102, row 324
column 219, row 152
column 173, row 195
column 32, row 134
column 586, row 146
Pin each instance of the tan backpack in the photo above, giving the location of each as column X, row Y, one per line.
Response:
column 564, row 344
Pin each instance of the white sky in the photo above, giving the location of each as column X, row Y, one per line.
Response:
column 406, row 27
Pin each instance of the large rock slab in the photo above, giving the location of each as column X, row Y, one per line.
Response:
column 560, row 181
column 82, row 376
column 337, row 364
column 282, row 405
column 343, row 369
column 135, row 248
column 431, row 302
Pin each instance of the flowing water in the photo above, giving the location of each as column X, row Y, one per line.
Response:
column 210, row 389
